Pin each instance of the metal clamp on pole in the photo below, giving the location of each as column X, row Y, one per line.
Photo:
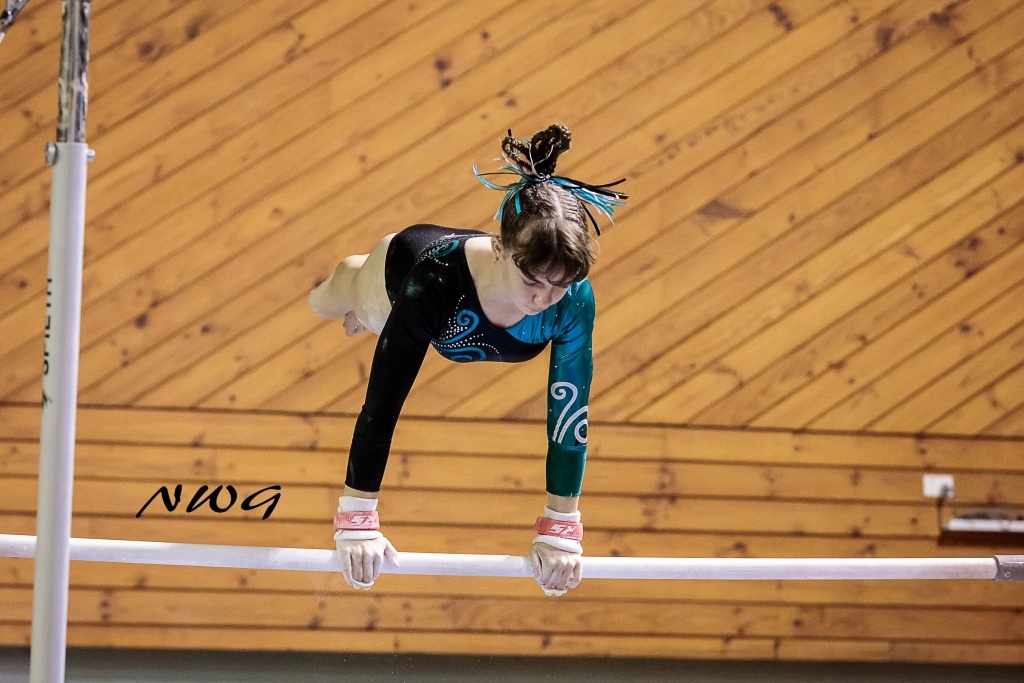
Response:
column 7, row 15
column 1009, row 567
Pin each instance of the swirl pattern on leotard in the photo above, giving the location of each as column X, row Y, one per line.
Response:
column 560, row 390
column 460, row 341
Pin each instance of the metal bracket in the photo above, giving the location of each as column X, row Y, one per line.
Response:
column 1009, row 567
column 51, row 154
column 12, row 8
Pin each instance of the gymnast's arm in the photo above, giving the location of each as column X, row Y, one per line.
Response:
column 569, row 378
column 554, row 556
column 414, row 320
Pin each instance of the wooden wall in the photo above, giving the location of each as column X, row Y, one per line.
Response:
column 812, row 299
column 651, row 491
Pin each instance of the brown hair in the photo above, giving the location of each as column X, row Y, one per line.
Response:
column 548, row 235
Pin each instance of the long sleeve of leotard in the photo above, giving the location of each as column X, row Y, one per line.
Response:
column 415, row 318
column 569, row 378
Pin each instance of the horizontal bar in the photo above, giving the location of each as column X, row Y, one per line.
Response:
column 441, row 564
column 1011, row 526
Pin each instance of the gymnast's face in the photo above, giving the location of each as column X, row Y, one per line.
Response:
column 530, row 294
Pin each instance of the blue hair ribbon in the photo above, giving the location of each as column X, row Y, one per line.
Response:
column 597, row 196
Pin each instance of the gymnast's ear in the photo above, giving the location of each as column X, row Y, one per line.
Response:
column 496, row 246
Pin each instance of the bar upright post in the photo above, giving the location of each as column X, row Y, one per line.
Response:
column 68, row 156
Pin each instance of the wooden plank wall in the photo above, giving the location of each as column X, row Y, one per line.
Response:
column 812, row 299
column 652, row 491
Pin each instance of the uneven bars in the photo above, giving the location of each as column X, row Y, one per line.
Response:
column 1000, row 567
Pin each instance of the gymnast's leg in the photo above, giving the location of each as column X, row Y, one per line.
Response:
column 355, row 290
column 335, row 296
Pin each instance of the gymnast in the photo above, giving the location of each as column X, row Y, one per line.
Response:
column 475, row 296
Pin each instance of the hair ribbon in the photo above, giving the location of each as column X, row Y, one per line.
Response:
column 597, row 196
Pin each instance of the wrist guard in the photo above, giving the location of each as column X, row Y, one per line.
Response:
column 356, row 519
column 562, row 530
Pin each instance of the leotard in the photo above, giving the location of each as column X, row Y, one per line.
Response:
column 434, row 303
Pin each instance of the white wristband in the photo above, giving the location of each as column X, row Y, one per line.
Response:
column 562, row 516
column 356, row 535
column 353, row 504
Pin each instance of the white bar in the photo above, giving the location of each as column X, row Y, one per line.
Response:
column 248, row 557
column 59, row 403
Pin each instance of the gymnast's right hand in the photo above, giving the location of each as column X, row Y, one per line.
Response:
column 362, row 560
column 361, row 546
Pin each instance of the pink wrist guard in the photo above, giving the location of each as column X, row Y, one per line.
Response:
column 552, row 527
column 356, row 521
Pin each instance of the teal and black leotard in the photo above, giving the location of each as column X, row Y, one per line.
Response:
column 434, row 303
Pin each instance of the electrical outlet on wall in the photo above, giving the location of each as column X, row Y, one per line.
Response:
column 938, row 486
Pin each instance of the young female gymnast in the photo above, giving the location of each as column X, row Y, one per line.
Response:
column 475, row 296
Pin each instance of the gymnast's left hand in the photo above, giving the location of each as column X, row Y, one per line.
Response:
column 362, row 560
column 555, row 570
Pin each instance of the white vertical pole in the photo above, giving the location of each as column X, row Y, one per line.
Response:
column 68, row 156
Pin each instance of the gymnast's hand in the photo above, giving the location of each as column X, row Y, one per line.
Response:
column 555, row 570
column 362, row 560
column 556, row 554
column 361, row 546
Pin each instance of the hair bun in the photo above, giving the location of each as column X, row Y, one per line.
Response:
column 547, row 145
column 540, row 156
